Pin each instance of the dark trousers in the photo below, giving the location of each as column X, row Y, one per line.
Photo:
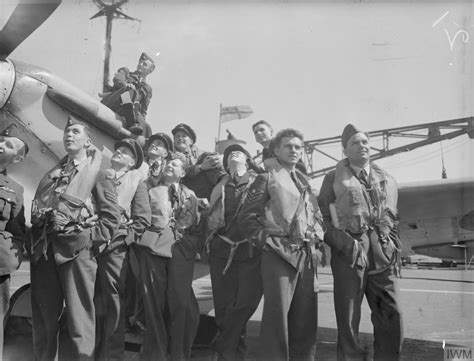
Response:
column 382, row 292
column 171, row 308
column 236, row 297
column 134, row 311
column 4, row 304
column 110, row 304
column 290, row 317
column 72, row 284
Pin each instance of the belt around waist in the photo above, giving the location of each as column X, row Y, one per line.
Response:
column 294, row 242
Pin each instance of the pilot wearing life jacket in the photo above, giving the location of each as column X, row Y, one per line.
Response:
column 359, row 205
column 166, row 254
column 281, row 216
column 74, row 216
column 113, row 262
column 234, row 260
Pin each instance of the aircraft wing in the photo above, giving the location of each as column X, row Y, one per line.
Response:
column 436, row 215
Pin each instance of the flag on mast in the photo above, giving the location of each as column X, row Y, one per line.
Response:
column 234, row 112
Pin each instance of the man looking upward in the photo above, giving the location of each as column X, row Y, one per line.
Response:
column 359, row 204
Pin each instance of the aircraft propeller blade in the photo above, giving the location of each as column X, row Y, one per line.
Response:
column 26, row 18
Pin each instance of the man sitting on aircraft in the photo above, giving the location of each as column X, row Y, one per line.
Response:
column 166, row 254
column 12, row 224
column 204, row 169
column 74, row 216
column 359, row 205
column 130, row 95
column 113, row 262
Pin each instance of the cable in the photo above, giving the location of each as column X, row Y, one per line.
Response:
column 444, row 174
column 411, row 162
column 448, row 149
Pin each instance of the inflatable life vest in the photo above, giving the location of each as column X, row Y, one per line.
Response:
column 169, row 221
column 283, row 203
column 69, row 195
column 359, row 208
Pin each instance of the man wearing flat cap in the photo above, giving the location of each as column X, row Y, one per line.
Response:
column 113, row 262
column 204, row 169
column 74, row 215
column 12, row 225
column 130, row 95
column 234, row 261
column 159, row 149
column 359, row 205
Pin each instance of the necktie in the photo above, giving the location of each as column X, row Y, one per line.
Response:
column 174, row 199
column 363, row 177
column 65, row 175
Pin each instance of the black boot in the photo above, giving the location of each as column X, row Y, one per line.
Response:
column 130, row 118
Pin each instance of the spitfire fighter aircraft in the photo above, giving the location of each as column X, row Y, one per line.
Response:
column 39, row 103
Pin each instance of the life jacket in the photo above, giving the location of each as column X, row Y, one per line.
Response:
column 72, row 202
column 359, row 208
column 183, row 214
column 169, row 221
column 283, row 203
column 161, row 210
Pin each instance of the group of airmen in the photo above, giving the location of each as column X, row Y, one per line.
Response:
column 149, row 215
column 102, row 239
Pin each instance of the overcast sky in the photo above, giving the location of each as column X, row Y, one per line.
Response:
column 314, row 66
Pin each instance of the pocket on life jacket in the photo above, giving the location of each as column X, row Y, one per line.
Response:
column 355, row 197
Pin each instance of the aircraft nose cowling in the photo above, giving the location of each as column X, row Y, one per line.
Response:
column 7, row 80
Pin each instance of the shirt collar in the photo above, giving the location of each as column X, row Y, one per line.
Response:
column 75, row 162
column 357, row 169
column 120, row 173
column 175, row 187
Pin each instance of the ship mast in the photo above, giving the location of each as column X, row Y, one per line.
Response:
column 110, row 11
